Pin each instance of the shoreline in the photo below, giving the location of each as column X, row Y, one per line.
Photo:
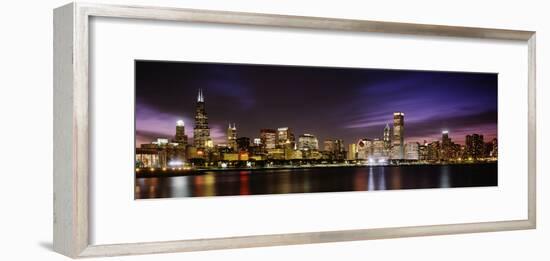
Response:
column 167, row 172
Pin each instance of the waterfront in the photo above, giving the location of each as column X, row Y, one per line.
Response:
column 309, row 180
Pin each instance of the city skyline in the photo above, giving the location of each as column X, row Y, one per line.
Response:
column 256, row 97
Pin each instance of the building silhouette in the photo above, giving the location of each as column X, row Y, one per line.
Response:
column 285, row 138
column 180, row 136
column 308, row 142
column 268, row 138
column 232, row 137
column 201, row 131
column 387, row 137
column 474, row 146
column 243, row 143
column 398, row 149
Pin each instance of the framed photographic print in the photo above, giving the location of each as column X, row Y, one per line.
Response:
column 243, row 130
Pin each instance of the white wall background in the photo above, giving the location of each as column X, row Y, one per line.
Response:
column 26, row 130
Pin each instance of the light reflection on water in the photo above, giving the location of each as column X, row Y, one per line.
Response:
column 255, row 182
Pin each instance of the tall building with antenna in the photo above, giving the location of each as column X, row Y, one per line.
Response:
column 201, row 131
column 232, row 137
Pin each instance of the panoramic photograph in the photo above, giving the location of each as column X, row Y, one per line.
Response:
column 222, row 129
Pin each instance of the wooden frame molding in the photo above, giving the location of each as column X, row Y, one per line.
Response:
column 71, row 128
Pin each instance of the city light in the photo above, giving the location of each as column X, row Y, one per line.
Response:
column 279, row 147
column 175, row 163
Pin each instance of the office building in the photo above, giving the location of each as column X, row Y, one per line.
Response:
column 180, row 136
column 232, row 137
column 352, row 152
column 398, row 135
column 474, row 146
column 268, row 138
column 201, row 131
column 308, row 142
column 285, row 138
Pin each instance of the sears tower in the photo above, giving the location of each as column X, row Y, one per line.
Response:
column 201, row 132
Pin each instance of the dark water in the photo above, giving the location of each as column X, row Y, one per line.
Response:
column 318, row 180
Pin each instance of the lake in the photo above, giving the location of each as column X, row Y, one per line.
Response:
column 309, row 180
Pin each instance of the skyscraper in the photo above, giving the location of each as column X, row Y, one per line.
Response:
column 268, row 138
column 387, row 137
column 412, row 151
column 308, row 142
column 180, row 136
column 398, row 135
column 445, row 137
column 352, row 152
column 201, row 131
column 334, row 149
column 494, row 151
column 364, row 149
column 329, row 145
column 285, row 138
column 378, row 150
column 232, row 137
column 243, row 143
column 446, row 145
column 474, row 146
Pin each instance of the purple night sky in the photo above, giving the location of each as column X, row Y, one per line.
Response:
column 344, row 103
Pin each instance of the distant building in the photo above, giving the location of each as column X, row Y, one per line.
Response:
column 243, row 143
column 201, row 132
column 180, row 136
column 285, row 138
column 364, row 149
column 487, row 149
column 423, row 151
column 232, row 156
column 232, row 137
column 398, row 149
column 308, row 142
column 474, row 146
column 446, row 146
column 160, row 154
column 434, row 151
column 387, row 137
column 352, row 152
column 276, row 154
column 334, row 149
column 328, row 145
column 412, row 151
column 268, row 138
column 257, row 142
column 292, row 154
column 379, row 151
column 494, row 152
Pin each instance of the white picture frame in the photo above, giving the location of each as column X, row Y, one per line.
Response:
column 71, row 128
